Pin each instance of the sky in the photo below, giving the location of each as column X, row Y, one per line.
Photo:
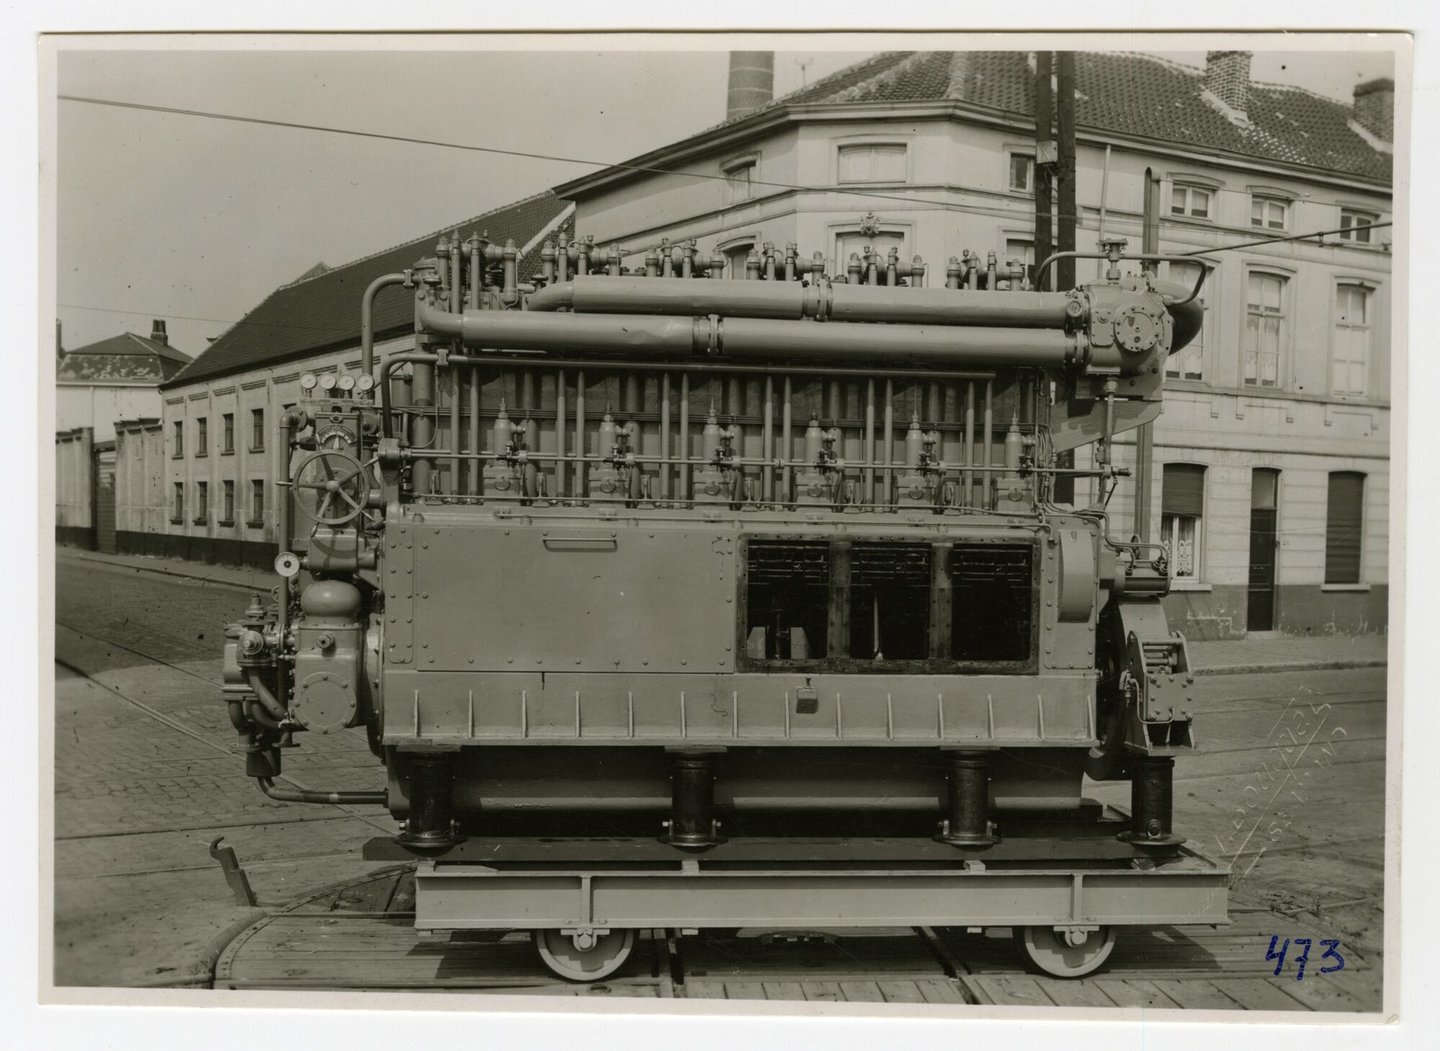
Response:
column 196, row 220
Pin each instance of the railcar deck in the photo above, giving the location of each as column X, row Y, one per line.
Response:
column 360, row 936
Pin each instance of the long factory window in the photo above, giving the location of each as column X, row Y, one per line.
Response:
column 857, row 605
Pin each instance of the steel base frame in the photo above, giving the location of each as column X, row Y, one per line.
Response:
column 450, row 896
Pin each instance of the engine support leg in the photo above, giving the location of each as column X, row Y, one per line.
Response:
column 430, row 824
column 692, row 822
column 967, row 822
column 1151, row 802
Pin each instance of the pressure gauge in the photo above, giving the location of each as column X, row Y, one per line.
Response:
column 308, row 381
column 347, row 382
column 327, row 382
column 364, row 382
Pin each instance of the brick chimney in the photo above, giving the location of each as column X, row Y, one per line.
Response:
column 1375, row 108
column 1227, row 77
column 157, row 332
column 752, row 82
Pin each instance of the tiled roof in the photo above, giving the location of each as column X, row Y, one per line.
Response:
column 322, row 312
column 126, row 357
column 1124, row 93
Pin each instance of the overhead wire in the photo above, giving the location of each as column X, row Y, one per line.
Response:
column 1112, row 219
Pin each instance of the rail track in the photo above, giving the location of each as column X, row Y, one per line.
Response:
column 360, row 935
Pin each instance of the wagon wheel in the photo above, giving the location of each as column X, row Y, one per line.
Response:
column 341, row 485
column 606, row 955
column 1050, row 951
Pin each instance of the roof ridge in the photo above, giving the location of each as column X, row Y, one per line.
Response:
column 447, row 228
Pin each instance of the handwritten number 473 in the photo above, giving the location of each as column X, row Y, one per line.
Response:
column 1332, row 947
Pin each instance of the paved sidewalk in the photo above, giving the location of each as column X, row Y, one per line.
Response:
column 1239, row 656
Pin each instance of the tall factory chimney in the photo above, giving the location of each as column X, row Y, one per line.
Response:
column 752, row 82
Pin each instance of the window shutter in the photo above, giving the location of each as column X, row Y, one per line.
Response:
column 1184, row 490
column 1343, row 510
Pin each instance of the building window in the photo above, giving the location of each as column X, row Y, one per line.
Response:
column 739, row 179
column 1189, row 362
column 177, row 504
column 1193, row 202
column 1022, row 172
column 257, row 503
column 872, row 163
column 202, row 436
column 257, row 430
column 1264, row 329
column 735, row 257
column 1268, row 213
column 1021, row 251
column 202, row 502
column 1355, row 225
column 227, row 435
column 1344, row 506
column 1350, row 365
column 179, row 440
column 857, row 243
column 227, row 505
column 1182, row 512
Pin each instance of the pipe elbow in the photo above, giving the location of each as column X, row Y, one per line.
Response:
column 555, row 297
column 1188, row 315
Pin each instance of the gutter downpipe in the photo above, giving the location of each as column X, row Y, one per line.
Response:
column 367, row 317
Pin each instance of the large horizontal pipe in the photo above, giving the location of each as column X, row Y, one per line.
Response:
column 790, row 300
column 747, row 339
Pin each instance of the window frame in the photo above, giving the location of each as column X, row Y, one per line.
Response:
column 177, row 504
column 1190, row 186
column 1369, row 288
column 748, row 163
column 877, row 144
column 1198, row 345
column 1347, row 234
column 1269, row 199
column 202, row 502
column 745, row 243
column 1286, row 334
column 1168, row 534
column 1011, row 155
column 202, row 436
column 257, row 430
column 227, row 502
column 257, row 504
column 227, row 434
column 1359, row 531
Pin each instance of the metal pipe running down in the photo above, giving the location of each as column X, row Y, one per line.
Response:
column 367, row 317
column 748, row 339
column 783, row 300
column 313, row 795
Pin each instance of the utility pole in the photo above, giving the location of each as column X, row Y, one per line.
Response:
column 1145, row 435
column 1065, row 128
column 1044, row 157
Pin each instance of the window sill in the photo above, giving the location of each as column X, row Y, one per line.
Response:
column 177, row 456
column 177, row 521
column 227, row 522
column 227, row 452
column 252, row 524
column 257, row 448
column 1190, row 585
column 199, row 521
column 1344, row 587
column 201, row 456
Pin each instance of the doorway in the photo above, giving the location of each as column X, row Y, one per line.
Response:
column 1264, row 504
